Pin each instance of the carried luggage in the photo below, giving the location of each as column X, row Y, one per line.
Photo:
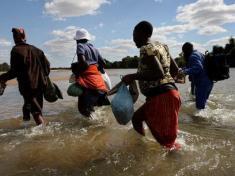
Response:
column 51, row 91
column 107, row 80
column 217, row 66
column 122, row 105
column 74, row 90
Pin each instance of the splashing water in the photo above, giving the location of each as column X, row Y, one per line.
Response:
column 73, row 145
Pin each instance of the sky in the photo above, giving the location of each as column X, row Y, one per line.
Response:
column 51, row 25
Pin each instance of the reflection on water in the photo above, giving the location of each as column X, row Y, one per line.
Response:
column 71, row 145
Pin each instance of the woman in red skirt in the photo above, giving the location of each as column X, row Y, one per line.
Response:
column 160, row 111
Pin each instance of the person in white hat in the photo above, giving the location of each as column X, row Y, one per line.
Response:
column 82, row 34
column 88, row 74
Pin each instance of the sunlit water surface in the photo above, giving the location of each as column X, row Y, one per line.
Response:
column 72, row 145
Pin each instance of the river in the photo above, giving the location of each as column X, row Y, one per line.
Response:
column 72, row 145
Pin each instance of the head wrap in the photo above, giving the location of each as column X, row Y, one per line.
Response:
column 19, row 34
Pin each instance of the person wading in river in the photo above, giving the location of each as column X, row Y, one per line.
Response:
column 30, row 66
column 90, row 67
column 160, row 111
column 196, row 70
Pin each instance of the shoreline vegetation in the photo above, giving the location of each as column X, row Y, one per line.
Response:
column 129, row 62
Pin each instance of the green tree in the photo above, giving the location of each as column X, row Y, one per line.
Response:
column 4, row 67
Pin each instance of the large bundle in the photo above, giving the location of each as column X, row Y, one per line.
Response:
column 217, row 66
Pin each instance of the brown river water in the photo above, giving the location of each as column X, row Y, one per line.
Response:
column 72, row 145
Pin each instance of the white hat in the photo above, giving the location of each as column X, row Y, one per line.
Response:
column 82, row 34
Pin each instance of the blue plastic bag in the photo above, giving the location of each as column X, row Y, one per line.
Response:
column 122, row 105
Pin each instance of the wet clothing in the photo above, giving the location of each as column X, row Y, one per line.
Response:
column 160, row 111
column 161, row 115
column 32, row 104
column 94, row 87
column 30, row 66
column 89, row 99
column 203, row 85
column 94, row 90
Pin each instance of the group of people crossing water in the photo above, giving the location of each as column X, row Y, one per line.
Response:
column 156, row 74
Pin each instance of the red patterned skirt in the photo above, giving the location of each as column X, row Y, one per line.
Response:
column 161, row 115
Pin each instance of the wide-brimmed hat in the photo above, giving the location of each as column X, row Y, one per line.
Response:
column 82, row 34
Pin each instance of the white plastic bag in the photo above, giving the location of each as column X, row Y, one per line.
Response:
column 72, row 78
column 122, row 105
column 107, row 81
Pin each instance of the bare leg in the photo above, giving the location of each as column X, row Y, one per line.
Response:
column 39, row 119
column 137, row 121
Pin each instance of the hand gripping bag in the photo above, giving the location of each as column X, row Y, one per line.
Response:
column 122, row 105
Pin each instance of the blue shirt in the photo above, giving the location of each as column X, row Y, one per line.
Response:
column 91, row 54
column 195, row 67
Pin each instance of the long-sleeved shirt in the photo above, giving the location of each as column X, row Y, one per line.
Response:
column 195, row 67
column 29, row 65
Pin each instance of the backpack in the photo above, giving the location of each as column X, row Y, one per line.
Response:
column 216, row 66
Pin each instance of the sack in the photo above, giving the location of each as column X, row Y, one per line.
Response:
column 51, row 91
column 107, row 80
column 122, row 105
column 74, row 90
column 216, row 66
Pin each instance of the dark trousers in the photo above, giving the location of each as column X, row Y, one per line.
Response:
column 89, row 99
column 33, row 104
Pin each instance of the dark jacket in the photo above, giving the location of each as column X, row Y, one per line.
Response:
column 30, row 66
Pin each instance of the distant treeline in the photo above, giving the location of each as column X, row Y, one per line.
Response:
column 132, row 62
column 126, row 62
column 4, row 67
column 228, row 49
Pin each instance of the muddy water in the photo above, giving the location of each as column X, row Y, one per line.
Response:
column 71, row 145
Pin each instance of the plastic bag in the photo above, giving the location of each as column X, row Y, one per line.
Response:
column 74, row 90
column 72, row 78
column 132, row 89
column 122, row 105
column 107, row 81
